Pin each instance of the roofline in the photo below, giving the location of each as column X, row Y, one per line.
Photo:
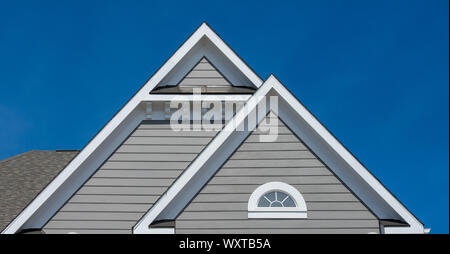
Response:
column 17, row 156
column 347, row 150
column 272, row 83
column 203, row 30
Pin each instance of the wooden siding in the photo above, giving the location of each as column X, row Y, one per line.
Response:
column 130, row 181
column 221, row 206
column 204, row 75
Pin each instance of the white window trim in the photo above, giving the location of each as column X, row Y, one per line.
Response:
column 298, row 212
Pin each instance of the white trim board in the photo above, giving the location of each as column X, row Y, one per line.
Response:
column 313, row 133
column 46, row 203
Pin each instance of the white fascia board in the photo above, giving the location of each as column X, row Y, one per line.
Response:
column 142, row 226
column 415, row 225
column 132, row 105
column 234, row 58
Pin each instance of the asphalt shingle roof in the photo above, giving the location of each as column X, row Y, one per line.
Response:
column 23, row 176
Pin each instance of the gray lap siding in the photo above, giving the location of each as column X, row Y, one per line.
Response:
column 130, row 181
column 221, row 206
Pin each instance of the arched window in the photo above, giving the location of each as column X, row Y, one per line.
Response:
column 276, row 200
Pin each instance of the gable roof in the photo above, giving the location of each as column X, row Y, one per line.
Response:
column 122, row 123
column 380, row 200
column 294, row 114
column 24, row 176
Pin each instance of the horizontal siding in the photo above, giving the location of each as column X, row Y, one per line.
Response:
column 296, row 171
column 167, row 140
column 130, row 181
column 97, row 216
column 100, row 224
column 204, row 65
column 151, row 148
column 321, row 216
column 230, row 197
column 236, row 180
column 91, row 207
column 204, row 74
column 164, row 126
column 120, row 190
column 280, row 138
column 280, row 130
column 242, row 206
column 144, row 165
column 212, row 82
column 138, row 182
column 137, row 173
column 271, row 146
column 274, row 155
column 171, row 133
column 114, row 199
column 273, row 163
column 221, row 206
column 188, row 157
column 249, row 188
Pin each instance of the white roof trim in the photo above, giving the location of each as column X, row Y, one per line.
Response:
column 415, row 225
column 140, row 96
column 273, row 84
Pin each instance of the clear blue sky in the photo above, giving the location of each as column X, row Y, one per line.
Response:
column 374, row 72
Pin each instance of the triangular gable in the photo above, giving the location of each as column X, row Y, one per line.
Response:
column 204, row 77
column 318, row 138
column 208, row 44
column 51, row 198
column 221, row 206
column 124, row 188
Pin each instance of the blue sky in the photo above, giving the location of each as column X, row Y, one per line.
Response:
column 374, row 72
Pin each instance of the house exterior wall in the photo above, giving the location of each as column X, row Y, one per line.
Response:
column 221, row 206
column 130, row 181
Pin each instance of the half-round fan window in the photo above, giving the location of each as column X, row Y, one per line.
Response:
column 276, row 200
